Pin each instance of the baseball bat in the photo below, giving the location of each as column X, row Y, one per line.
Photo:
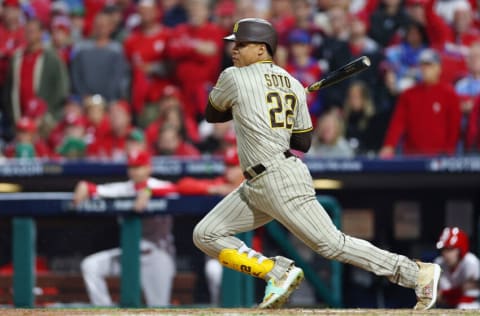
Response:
column 352, row 68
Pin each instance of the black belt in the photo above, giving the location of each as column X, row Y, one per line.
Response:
column 258, row 169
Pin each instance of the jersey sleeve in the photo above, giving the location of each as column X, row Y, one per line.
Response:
column 224, row 93
column 116, row 190
column 303, row 122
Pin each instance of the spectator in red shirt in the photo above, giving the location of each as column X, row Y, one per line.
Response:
column 12, row 34
column 170, row 111
column 171, row 142
column 197, row 52
column 61, row 41
column 146, row 52
column 427, row 115
column 98, row 123
column 27, row 144
column 113, row 145
column 472, row 139
column 71, row 108
column 36, row 72
column 74, row 144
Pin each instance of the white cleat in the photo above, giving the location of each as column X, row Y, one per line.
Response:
column 277, row 292
column 427, row 285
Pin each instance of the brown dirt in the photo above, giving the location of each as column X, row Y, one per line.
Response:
column 225, row 311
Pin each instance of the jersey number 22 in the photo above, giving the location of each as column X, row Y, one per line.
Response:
column 282, row 110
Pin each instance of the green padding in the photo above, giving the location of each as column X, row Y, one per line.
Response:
column 24, row 237
column 131, row 230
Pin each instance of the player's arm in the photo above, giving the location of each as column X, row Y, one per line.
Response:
column 215, row 116
column 221, row 98
column 302, row 132
column 301, row 141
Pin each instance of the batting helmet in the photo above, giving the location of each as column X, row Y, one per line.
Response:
column 454, row 237
column 254, row 30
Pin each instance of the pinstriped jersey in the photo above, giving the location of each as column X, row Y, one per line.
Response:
column 267, row 104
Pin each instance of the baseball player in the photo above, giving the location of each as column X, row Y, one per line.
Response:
column 157, row 265
column 458, row 286
column 270, row 114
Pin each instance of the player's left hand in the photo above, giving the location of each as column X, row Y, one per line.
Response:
column 141, row 202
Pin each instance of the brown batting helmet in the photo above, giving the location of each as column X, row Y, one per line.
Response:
column 254, row 30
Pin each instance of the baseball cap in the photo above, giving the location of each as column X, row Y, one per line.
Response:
column 11, row 3
column 94, row 100
column 61, row 22
column 137, row 158
column 122, row 104
column 299, row 36
column 225, row 8
column 429, row 56
column 136, row 135
column 35, row 107
column 416, row 2
column 171, row 91
column 26, row 124
column 75, row 120
column 230, row 157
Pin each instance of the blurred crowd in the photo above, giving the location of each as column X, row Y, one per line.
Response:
column 82, row 78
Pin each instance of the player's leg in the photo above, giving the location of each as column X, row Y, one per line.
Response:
column 215, row 235
column 213, row 274
column 95, row 268
column 298, row 209
column 157, row 271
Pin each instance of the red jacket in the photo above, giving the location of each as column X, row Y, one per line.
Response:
column 141, row 48
column 428, row 117
column 195, row 72
column 472, row 141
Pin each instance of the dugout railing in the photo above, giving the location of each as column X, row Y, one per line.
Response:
column 237, row 289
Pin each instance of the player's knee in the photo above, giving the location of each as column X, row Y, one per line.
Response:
column 331, row 248
column 88, row 265
column 199, row 236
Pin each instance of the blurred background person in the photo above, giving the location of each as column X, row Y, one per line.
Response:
column 173, row 12
column 112, row 146
column 36, row 72
column 171, row 142
column 61, row 41
column 146, row 51
column 96, row 62
column 12, row 34
column 157, row 249
column 427, row 116
column 387, row 21
column 27, row 144
column 472, row 137
column 170, row 111
column 197, row 49
column 364, row 125
column 458, row 285
column 401, row 60
column 98, row 123
column 305, row 68
column 329, row 140
column 74, row 143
